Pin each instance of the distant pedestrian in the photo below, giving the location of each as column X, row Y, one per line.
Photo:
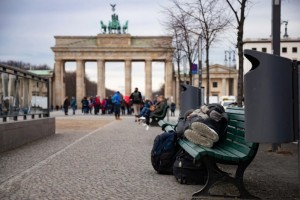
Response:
column 73, row 105
column 116, row 100
column 85, row 105
column 136, row 99
column 66, row 105
column 173, row 108
column 103, row 105
column 123, row 106
column 97, row 105
column 91, row 104
column 110, row 108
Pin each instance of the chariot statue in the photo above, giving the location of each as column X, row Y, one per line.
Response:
column 114, row 26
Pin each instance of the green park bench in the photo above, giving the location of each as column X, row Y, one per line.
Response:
column 232, row 150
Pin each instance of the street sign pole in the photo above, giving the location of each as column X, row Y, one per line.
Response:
column 276, row 7
column 200, row 68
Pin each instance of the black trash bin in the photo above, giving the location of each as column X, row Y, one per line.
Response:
column 190, row 98
column 268, row 98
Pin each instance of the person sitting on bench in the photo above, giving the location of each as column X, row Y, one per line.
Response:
column 156, row 109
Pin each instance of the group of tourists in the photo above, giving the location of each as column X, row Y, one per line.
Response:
column 116, row 104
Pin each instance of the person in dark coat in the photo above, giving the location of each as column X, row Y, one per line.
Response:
column 136, row 99
column 85, row 105
column 156, row 109
column 66, row 105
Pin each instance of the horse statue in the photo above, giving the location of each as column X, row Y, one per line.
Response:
column 125, row 27
column 103, row 26
column 114, row 25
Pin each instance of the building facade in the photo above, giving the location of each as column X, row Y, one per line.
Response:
column 223, row 82
column 289, row 48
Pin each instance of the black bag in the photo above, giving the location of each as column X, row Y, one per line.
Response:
column 186, row 172
column 163, row 153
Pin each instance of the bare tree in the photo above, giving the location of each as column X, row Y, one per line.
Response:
column 209, row 20
column 239, row 14
column 179, row 24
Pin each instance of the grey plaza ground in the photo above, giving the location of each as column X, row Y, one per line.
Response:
column 97, row 157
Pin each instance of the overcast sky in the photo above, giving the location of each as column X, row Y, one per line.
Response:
column 28, row 27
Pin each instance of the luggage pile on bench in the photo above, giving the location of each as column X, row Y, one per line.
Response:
column 190, row 160
column 168, row 158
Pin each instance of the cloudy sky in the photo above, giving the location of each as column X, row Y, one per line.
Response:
column 28, row 27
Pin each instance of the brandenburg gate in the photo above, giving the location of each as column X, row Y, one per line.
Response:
column 110, row 47
column 106, row 47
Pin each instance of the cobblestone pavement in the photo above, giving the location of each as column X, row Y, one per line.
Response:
column 98, row 157
column 110, row 162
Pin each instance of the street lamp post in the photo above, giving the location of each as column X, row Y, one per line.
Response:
column 229, row 52
column 200, row 61
column 200, row 69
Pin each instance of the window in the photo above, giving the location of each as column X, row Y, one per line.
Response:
column 215, row 84
column 254, row 49
column 264, row 49
column 294, row 49
column 284, row 50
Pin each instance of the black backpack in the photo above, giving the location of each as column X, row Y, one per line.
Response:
column 186, row 172
column 163, row 153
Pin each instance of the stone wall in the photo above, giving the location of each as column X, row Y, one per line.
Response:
column 15, row 134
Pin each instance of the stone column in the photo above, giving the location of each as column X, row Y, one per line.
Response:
column 80, row 86
column 224, row 93
column 101, row 79
column 168, row 78
column 128, row 71
column 50, row 93
column 58, row 83
column 148, row 79
column 63, row 80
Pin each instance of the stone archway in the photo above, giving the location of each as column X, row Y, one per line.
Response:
column 110, row 47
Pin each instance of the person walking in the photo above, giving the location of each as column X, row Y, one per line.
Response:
column 173, row 108
column 66, row 105
column 136, row 99
column 73, row 105
column 116, row 100
column 104, row 105
column 85, row 105
column 97, row 105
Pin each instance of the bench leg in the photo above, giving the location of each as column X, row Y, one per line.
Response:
column 216, row 175
column 238, row 181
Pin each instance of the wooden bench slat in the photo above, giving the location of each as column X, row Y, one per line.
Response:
column 186, row 146
column 198, row 151
column 242, row 148
column 234, row 131
column 239, row 154
column 233, row 116
column 238, row 124
column 238, row 139
column 235, row 110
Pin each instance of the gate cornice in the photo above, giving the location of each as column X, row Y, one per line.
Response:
column 113, row 47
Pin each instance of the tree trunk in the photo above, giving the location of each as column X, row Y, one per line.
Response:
column 190, row 74
column 240, row 44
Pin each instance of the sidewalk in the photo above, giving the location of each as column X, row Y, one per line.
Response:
column 97, row 157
